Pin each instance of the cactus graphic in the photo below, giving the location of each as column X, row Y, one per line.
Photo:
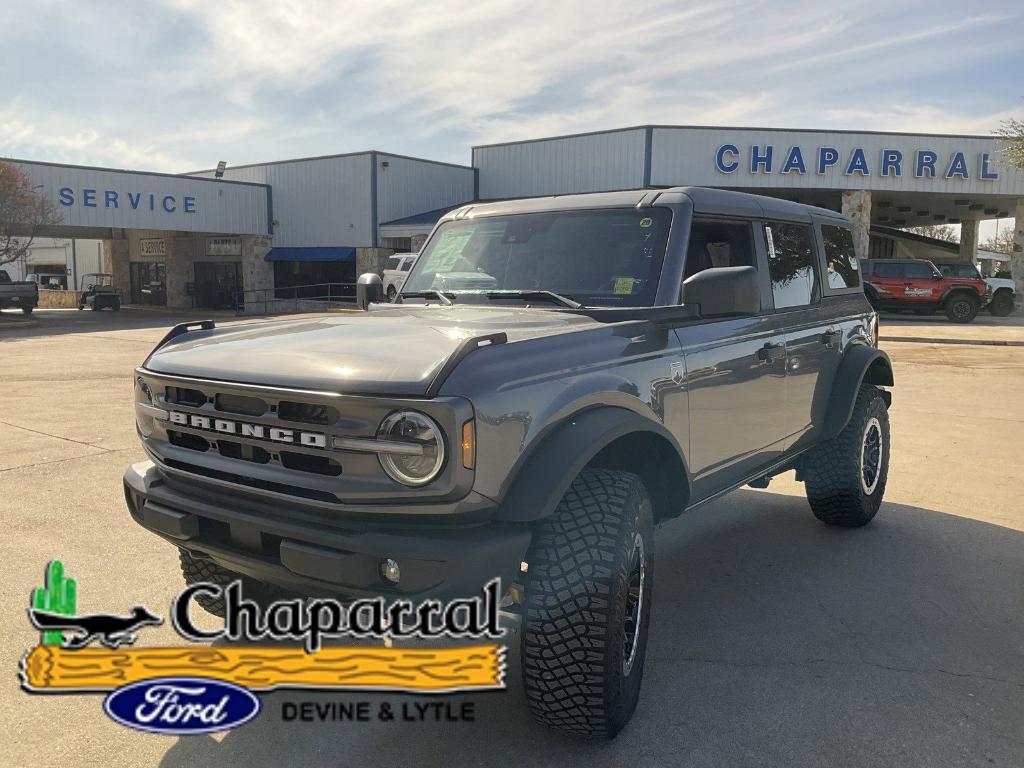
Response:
column 58, row 596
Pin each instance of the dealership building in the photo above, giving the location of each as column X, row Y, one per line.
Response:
column 204, row 238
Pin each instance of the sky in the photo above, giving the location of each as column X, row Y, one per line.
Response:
column 177, row 85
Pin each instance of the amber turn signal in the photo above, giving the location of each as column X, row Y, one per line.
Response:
column 468, row 445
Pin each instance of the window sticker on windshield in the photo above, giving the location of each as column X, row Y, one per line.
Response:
column 646, row 221
column 447, row 251
column 623, row 285
column 771, row 242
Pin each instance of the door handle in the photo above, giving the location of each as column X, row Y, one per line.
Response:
column 771, row 353
column 830, row 337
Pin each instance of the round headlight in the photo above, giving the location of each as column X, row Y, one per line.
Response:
column 425, row 441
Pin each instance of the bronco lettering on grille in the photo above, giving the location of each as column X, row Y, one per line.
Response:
column 257, row 431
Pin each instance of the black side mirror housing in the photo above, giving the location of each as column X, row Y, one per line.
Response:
column 722, row 291
column 369, row 290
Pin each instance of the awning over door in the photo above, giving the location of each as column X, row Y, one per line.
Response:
column 311, row 254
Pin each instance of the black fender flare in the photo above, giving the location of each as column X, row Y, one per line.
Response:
column 956, row 289
column 860, row 365
column 543, row 475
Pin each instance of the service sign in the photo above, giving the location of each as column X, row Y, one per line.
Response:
column 223, row 246
column 152, row 247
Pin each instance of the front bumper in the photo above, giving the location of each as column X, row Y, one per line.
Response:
column 322, row 556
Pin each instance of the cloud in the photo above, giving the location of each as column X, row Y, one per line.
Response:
column 181, row 84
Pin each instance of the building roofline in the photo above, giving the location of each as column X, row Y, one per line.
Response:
column 734, row 128
column 903, row 234
column 379, row 153
column 128, row 171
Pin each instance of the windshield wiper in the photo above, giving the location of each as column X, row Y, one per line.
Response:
column 428, row 295
column 555, row 298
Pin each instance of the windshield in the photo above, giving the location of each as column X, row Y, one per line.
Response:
column 607, row 257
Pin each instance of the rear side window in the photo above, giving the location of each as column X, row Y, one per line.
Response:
column 840, row 260
column 391, row 263
column 887, row 269
column 918, row 270
column 407, row 265
column 791, row 265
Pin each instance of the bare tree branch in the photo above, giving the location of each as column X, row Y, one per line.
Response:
column 23, row 213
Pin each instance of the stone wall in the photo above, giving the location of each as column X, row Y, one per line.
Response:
column 1017, row 256
column 115, row 261
column 371, row 260
column 857, row 208
column 57, row 299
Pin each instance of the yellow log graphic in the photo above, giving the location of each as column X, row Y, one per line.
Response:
column 475, row 667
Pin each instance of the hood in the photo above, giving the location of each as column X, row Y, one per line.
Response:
column 394, row 350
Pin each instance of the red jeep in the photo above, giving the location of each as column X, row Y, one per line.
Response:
column 897, row 284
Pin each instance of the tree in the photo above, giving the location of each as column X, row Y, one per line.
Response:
column 1000, row 243
column 23, row 213
column 946, row 232
column 1012, row 132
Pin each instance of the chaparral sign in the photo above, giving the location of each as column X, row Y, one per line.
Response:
column 855, row 161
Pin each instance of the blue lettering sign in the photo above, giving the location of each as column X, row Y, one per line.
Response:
column 794, row 161
column 958, row 166
column 169, row 208
column 985, row 174
column 892, row 160
column 133, row 200
column 89, row 198
column 67, row 196
column 110, row 199
column 925, row 162
column 827, row 157
column 858, row 163
column 152, row 203
column 720, row 163
column 758, row 160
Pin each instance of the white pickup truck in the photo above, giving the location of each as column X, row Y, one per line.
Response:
column 23, row 295
column 396, row 268
column 1002, row 289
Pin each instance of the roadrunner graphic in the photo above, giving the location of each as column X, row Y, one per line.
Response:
column 111, row 630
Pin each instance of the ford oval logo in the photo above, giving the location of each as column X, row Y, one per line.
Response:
column 182, row 705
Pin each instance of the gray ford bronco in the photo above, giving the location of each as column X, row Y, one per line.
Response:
column 556, row 377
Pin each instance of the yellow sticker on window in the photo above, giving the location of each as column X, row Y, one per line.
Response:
column 624, row 285
column 646, row 221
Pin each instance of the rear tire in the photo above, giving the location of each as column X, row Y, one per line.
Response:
column 27, row 311
column 962, row 308
column 588, row 605
column 1002, row 303
column 846, row 476
column 196, row 569
column 392, row 294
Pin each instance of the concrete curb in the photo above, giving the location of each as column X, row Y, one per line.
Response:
column 12, row 324
column 975, row 342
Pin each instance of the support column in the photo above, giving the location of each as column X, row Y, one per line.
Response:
column 857, row 208
column 1017, row 256
column 115, row 261
column 968, row 241
column 257, row 274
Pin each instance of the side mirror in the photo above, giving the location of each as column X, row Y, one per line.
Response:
column 724, row 291
column 369, row 290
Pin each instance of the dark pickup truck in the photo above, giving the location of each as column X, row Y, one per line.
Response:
column 556, row 377
column 23, row 295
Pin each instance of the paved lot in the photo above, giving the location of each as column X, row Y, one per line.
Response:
column 775, row 641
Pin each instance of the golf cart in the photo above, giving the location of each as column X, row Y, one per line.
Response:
column 98, row 292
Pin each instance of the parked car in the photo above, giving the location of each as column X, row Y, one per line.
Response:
column 396, row 269
column 535, row 429
column 1002, row 302
column 22, row 294
column 917, row 285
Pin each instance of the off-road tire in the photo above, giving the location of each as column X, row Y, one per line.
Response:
column 196, row 569
column 27, row 311
column 838, row 488
column 582, row 663
column 1001, row 304
column 392, row 294
column 961, row 308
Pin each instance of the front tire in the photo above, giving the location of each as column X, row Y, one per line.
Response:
column 392, row 294
column 962, row 308
column 27, row 311
column 846, row 476
column 196, row 569
column 588, row 605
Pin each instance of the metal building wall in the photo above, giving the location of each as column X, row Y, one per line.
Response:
column 325, row 201
column 595, row 162
column 218, row 206
column 408, row 186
